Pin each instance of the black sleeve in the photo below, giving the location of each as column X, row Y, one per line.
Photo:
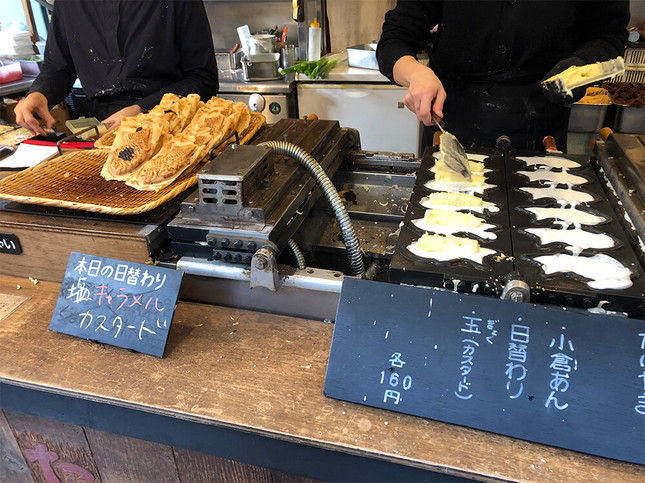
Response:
column 406, row 30
column 57, row 72
column 601, row 30
column 196, row 55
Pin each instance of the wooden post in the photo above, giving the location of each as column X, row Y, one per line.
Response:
column 31, row 24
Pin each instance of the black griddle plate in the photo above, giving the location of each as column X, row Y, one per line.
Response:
column 520, row 247
column 569, row 289
column 462, row 275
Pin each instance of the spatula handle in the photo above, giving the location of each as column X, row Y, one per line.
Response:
column 438, row 122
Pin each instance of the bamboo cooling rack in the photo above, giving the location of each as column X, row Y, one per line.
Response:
column 74, row 181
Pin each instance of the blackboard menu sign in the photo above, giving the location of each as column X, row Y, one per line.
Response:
column 569, row 379
column 124, row 304
column 9, row 243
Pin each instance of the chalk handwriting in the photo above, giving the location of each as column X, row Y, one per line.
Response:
column 469, row 346
column 640, row 400
column 515, row 368
column 120, row 272
column 490, row 325
column 116, row 325
column 79, row 292
column 7, row 244
column 562, row 364
column 393, row 379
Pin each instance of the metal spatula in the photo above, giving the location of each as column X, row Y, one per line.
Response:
column 453, row 152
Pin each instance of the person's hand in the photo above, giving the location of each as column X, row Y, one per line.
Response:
column 557, row 96
column 115, row 119
column 425, row 93
column 34, row 103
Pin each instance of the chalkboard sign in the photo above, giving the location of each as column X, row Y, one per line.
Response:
column 124, row 304
column 568, row 379
column 9, row 243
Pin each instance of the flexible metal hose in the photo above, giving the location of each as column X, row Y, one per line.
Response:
column 324, row 183
column 298, row 256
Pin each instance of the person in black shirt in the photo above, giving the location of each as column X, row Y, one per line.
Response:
column 487, row 59
column 127, row 55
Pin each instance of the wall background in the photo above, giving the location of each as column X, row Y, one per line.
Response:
column 353, row 22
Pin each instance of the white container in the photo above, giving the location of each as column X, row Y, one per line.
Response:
column 630, row 120
column 363, row 56
column 587, row 117
column 376, row 110
column 261, row 44
column 315, row 41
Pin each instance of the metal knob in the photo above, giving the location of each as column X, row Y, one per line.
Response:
column 257, row 103
column 516, row 289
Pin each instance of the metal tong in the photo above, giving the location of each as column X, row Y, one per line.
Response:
column 453, row 152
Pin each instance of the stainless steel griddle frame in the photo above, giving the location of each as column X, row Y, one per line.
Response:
column 621, row 159
column 382, row 185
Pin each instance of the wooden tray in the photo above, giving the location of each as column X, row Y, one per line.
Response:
column 74, row 181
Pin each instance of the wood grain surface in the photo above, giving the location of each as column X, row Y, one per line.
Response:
column 13, row 467
column 264, row 374
column 193, row 466
column 53, row 449
column 47, row 241
column 123, row 460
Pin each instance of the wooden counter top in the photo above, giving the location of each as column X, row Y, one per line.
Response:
column 262, row 374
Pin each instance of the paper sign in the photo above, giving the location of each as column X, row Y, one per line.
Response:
column 124, row 304
column 28, row 155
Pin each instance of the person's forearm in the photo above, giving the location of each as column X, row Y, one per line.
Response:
column 54, row 87
column 203, row 83
column 425, row 95
column 405, row 68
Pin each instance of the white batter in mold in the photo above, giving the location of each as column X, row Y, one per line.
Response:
column 449, row 222
column 566, row 215
column 449, row 248
column 550, row 161
column 576, row 240
column 457, row 201
column 562, row 196
column 554, row 177
column 603, row 271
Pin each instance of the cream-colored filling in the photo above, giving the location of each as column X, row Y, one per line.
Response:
column 446, row 248
column 580, row 75
column 449, row 222
column 452, row 218
column 434, row 185
column 471, row 156
column 450, row 177
column 453, row 244
column 474, row 166
column 457, row 201
column 603, row 271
